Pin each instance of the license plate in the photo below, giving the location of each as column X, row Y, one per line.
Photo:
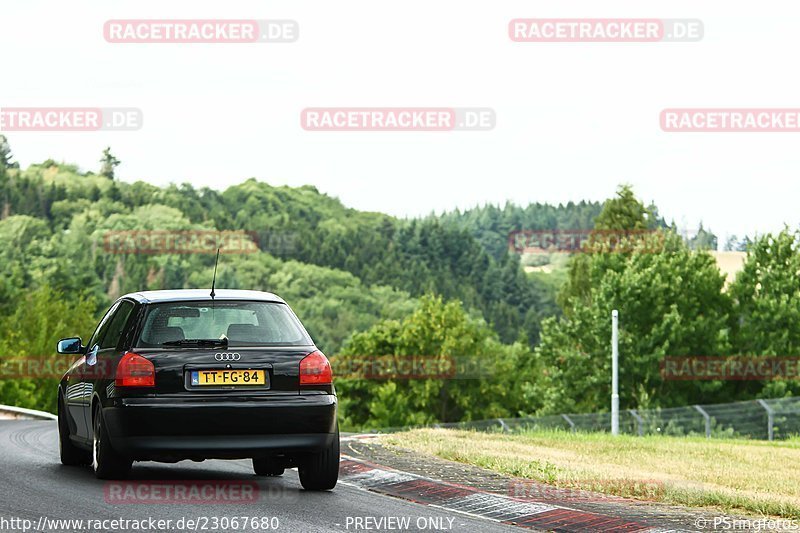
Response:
column 202, row 378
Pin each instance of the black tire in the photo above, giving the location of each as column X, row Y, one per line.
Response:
column 321, row 470
column 265, row 467
column 70, row 454
column 106, row 462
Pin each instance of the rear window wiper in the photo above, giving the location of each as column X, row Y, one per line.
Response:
column 197, row 342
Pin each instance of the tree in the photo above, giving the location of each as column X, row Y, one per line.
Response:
column 703, row 240
column 5, row 154
column 766, row 312
column 5, row 186
column 108, row 163
column 625, row 212
column 30, row 333
column 439, row 343
column 670, row 301
column 620, row 214
column 670, row 304
column 733, row 244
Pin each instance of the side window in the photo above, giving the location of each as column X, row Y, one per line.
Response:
column 100, row 332
column 116, row 325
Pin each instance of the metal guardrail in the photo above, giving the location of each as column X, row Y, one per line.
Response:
column 21, row 412
column 765, row 419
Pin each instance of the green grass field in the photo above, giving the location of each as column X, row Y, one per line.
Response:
column 754, row 477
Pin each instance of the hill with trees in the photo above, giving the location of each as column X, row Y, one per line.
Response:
column 369, row 284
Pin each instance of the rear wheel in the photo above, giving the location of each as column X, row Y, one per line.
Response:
column 106, row 462
column 267, row 467
column 321, row 470
column 70, row 454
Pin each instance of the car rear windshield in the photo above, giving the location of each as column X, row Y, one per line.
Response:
column 241, row 323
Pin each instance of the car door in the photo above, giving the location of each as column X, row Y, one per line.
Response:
column 109, row 349
column 79, row 399
column 73, row 391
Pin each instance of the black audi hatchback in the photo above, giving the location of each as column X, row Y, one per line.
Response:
column 175, row 375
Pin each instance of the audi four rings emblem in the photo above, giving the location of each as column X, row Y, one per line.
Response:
column 227, row 356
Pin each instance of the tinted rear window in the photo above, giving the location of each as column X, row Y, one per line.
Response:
column 243, row 323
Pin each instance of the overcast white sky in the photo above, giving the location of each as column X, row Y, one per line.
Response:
column 573, row 119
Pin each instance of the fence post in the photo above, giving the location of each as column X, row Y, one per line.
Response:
column 615, row 372
column 503, row 424
column 770, row 418
column 639, row 421
column 570, row 422
column 706, row 418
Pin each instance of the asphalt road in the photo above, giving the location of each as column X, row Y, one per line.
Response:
column 34, row 484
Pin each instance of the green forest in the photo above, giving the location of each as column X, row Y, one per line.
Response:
column 366, row 283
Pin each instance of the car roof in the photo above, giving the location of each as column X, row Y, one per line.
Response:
column 179, row 295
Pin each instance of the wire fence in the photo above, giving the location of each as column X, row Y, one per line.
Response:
column 756, row 419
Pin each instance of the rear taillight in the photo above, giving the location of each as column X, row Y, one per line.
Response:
column 315, row 369
column 135, row 371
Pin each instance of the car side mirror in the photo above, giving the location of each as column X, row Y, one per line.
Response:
column 72, row 345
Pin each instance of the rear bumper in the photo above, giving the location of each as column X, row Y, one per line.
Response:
column 205, row 428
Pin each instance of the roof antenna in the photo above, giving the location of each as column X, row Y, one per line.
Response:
column 214, row 281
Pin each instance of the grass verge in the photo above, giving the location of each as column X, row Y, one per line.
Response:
column 755, row 477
